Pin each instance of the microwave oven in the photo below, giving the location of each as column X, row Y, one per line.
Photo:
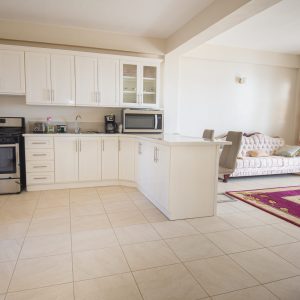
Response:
column 142, row 121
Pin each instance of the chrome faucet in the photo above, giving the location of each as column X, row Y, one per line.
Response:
column 77, row 128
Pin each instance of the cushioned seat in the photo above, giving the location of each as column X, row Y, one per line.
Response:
column 252, row 166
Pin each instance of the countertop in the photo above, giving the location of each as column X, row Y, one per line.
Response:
column 167, row 139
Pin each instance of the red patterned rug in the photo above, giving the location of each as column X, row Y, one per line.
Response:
column 281, row 202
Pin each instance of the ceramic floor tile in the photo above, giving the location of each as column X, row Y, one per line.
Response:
column 46, row 245
column 57, row 292
column 51, row 213
column 13, row 231
column 55, row 194
column 232, row 241
column 93, row 222
column 253, row 293
column 153, row 215
column 193, row 247
column 98, row 263
column 143, row 204
column 210, row 224
column 289, row 229
column 6, row 272
column 87, row 209
column 110, row 190
column 47, row 227
column 10, row 249
column 112, row 207
column 117, row 287
column 2, row 297
column 56, row 202
column 136, row 234
column 241, row 220
column 93, row 239
column 40, row 272
column 84, row 199
column 126, row 218
column 268, row 235
column 225, row 208
column 220, row 275
column 290, row 252
column 287, row 289
column 171, row 229
column 84, row 192
column 136, row 195
column 111, row 198
column 11, row 216
column 264, row 216
column 169, row 282
column 264, row 265
column 242, row 206
column 148, row 255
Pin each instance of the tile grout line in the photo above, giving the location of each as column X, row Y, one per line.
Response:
column 121, row 247
column 25, row 236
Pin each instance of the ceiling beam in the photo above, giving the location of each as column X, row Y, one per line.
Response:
column 220, row 16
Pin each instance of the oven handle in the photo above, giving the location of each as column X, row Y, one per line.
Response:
column 155, row 124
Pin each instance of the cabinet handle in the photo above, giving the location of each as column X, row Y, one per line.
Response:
column 76, row 146
column 154, row 154
column 79, row 145
column 42, row 154
column 99, row 97
column 102, row 145
column 39, row 177
column 35, row 167
column 140, row 148
column 38, row 143
column 119, row 145
column 52, row 95
column 157, row 154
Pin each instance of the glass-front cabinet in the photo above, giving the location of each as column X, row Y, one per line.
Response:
column 139, row 84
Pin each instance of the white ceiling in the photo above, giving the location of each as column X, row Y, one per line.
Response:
column 152, row 18
column 276, row 29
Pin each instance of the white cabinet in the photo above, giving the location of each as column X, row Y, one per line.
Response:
column 86, row 81
column 110, row 158
column 38, row 82
column 139, row 85
column 89, row 150
column 66, row 159
column 127, row 159
column 97, row 81
column 77, row 159
column 12, row 79
column 50, row 79
column 62, row 79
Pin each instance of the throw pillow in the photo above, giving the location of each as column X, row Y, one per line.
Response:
column 287, row 151
column 257, row 153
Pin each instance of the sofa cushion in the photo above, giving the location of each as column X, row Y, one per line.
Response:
column 288, row 151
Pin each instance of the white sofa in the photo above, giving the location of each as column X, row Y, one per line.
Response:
column 253, row 166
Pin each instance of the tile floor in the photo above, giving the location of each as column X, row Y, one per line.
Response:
column 112, row 243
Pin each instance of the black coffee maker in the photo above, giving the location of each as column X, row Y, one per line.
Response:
column 110, row 124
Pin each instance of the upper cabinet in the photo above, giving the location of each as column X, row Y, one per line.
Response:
column 139, row 84
column 97, row 81
column 50, row 79
column 12, row 79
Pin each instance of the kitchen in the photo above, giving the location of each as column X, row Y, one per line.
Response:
column 133, row 151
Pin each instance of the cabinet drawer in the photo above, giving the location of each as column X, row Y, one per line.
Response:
column 39, row 142
column 39, row 154
column 40, row 178
column 39, row 166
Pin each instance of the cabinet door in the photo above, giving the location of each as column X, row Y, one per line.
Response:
column 38, row 84
column 130, row 84
column 89, row 159
column 86, row 81
column 66, row 159
column 62, row 79
column 161, row 175
column 150, row 85
column 108, row 81
column 12, row 79
column 110, row 158
column 126, row 159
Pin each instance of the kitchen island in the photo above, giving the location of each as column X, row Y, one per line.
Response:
column 177, row 174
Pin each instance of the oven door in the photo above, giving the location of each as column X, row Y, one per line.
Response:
column 143, row 122
column 9, row 161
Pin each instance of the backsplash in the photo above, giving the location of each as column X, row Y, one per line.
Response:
column 92, row 118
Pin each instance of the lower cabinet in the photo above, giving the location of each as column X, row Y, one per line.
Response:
column 127, row 159
column 110, row 158
column 77, row 159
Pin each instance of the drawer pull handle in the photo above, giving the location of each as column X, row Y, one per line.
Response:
column 39, row 143
column 40, row 178
column 39, row 166
column 42, row 154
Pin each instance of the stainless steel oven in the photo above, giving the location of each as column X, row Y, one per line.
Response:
column 143, row 121
column 12, row 161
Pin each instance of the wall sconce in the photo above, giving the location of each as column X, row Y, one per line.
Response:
column 240, row 79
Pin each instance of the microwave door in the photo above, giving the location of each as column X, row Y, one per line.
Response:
column 140, row 122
